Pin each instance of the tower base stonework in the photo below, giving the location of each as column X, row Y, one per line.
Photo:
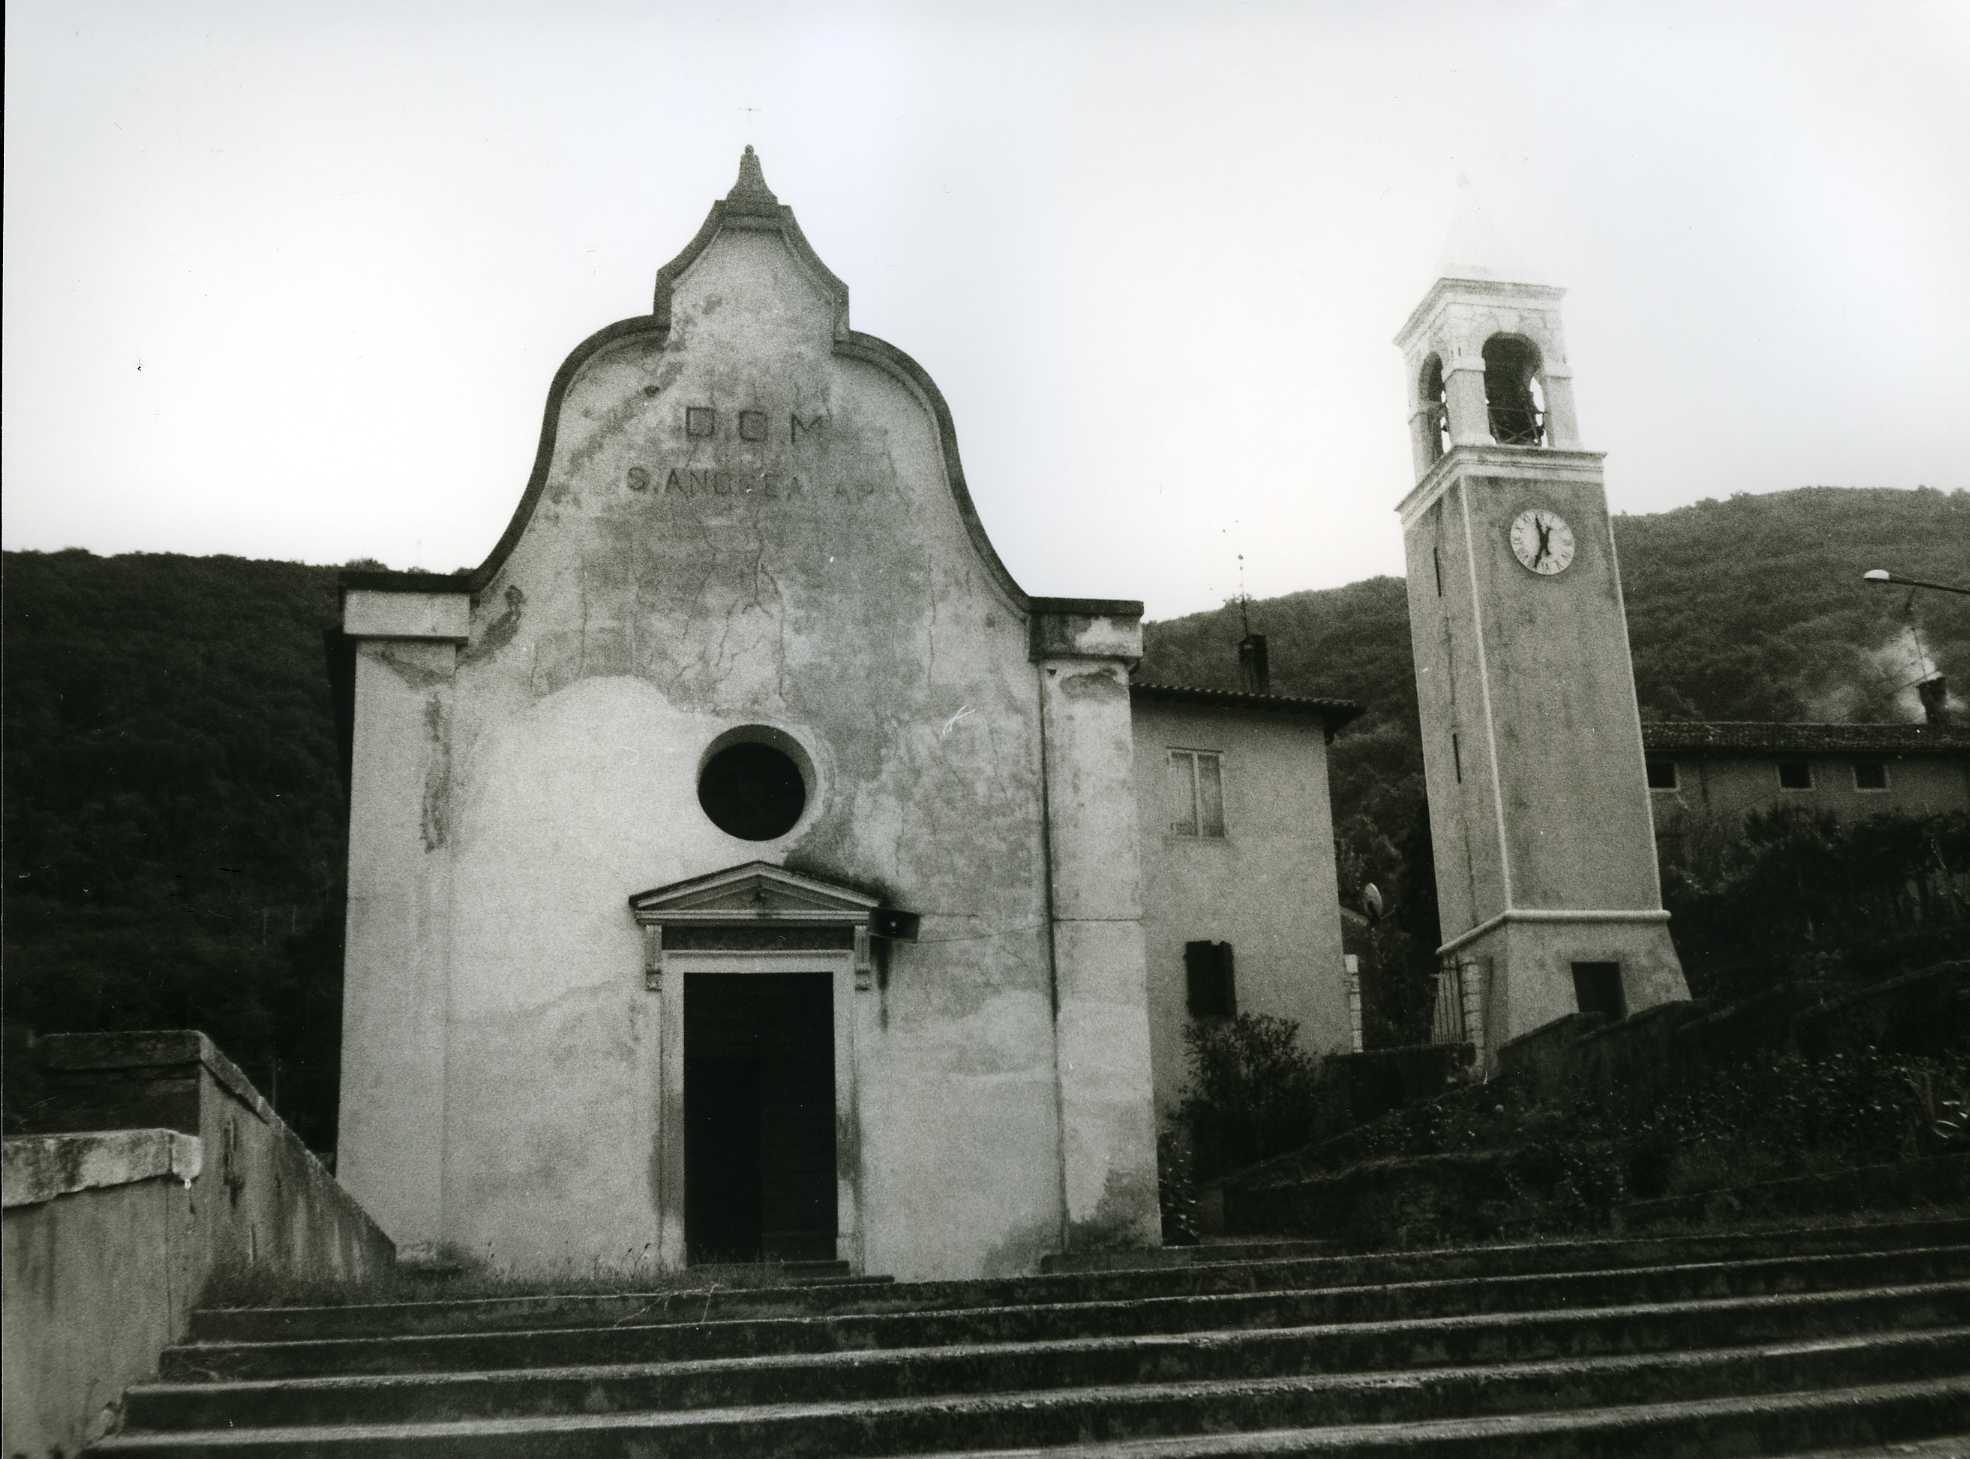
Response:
column 1517, row 971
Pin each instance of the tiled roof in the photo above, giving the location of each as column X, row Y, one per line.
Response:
column 1755, row 736
column 1334, row 712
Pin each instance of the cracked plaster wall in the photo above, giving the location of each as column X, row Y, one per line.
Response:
column 1107, row 1119
column 397, row 937
column 669, row 586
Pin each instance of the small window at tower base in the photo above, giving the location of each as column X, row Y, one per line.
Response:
column 1212, row 988
column 1661, row 773
column 1597, row 989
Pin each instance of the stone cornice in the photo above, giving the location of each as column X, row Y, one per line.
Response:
column 1513, row 462
column 1490, row 291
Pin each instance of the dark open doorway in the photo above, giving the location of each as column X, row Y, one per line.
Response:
column 759, row 1117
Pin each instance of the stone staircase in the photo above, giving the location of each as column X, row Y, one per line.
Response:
column 1832, row 1341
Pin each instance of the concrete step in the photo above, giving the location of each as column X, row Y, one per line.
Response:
column 1722, row 1344
column 1882, row 1419
column 1949, row 1447
column 784, row 1273
column 1515, row 1394
column 1232, row 1274
column 1212, row 1250
column 1109, row 1362
column 1494, row 1337
column 679, row 1338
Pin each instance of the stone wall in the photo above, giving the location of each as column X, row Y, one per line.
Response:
column 156, row 1166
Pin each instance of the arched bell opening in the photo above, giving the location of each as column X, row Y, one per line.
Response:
column 1514, row 399
column 1433, row 408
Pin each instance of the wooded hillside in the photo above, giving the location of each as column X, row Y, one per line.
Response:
column 174, row 815
column 175, row 825
column 1750, row 608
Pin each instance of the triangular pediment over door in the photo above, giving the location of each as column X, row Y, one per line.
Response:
column 752, row 899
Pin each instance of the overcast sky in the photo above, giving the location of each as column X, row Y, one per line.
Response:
column 290, row 280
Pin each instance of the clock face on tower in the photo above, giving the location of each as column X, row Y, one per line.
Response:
column 1542, row 541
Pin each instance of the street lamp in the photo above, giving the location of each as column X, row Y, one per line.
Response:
column 1882, row 575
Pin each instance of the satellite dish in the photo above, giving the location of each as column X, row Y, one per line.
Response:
column 1371, row 901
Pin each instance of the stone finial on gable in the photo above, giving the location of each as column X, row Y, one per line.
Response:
column 750, row 194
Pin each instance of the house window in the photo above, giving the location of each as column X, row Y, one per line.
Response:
column 1207, row 972
column 1597, row 989
column 1661, row 773
column 1795, row 775
column 1196, row 793
column 1870, row 774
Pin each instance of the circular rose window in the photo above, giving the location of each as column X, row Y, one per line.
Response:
column 754, row 783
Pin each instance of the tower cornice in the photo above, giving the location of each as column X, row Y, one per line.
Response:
column 1546, row 462
column 1475, row 291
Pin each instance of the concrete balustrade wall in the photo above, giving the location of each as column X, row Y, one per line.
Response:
column 154, row 1165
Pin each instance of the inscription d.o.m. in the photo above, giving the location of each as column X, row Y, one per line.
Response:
column 709, row 423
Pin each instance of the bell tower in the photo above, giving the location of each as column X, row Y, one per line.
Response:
column 1547, row 889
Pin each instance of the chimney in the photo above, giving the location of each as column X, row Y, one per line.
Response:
column 1253, row 672
column 1934, row 694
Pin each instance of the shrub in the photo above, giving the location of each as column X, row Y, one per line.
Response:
column 1253, row 1092
column 1792, row 891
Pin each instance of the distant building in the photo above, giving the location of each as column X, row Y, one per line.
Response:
column 1702, row 770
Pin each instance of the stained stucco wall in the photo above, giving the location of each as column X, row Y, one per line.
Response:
column 1563, row 704
column 1450, row 706
column 1532, row 674
column 398, row 935
column 1268, row 886
column 1108, row 1135
column 748, row 521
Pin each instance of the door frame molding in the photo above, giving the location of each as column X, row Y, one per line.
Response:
column 740, row 901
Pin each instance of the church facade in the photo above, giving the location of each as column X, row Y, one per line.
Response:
column 742, row 863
